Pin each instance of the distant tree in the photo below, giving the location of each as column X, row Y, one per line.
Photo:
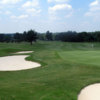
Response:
column 97, row 36
column 82, row 36
column 2, row 37
column 41, row 36
column 66, row 36
column 7, row 38
column 24, row 36
column 18, row 37
column 49, row 36
column 69, row 36
column 31, row 36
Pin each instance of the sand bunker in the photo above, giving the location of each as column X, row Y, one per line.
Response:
column 91, row 92
column 22, row 52
column 18, row 62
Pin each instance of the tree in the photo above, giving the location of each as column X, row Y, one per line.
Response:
column 2, row 37
column 31, row 36
column 41, row 36
column 25, row 36
column 66, row 36
column 49, row 36
column 97, row 36
column 18, row 37
column 7, row 38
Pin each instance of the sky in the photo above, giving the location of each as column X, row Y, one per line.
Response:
column 52, row 15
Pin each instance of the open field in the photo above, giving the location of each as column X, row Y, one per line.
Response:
column 66, row 69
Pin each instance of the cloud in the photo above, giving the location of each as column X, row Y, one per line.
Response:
column 95, row 3
column 59, row 7
column 59, row 10
column 59, row 1
column 19, row 17
column 32, row 7
column 9, row 1
column 33, row 11
column 33, row 3
column 94, row 9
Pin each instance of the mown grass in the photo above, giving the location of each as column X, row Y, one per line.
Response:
column 59, row 78
column 83, row 57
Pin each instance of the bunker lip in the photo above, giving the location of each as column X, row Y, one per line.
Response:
column 91, row 92
column 22, row 52
column 16, row 63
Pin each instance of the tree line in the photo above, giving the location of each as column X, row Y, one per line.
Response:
column 69, row 36
column 26, row 36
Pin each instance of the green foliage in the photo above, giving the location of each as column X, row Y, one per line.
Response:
column 41, row 36
column 18, row 37
column 69, row 36
column 49, row 36
column 2, row 37
column 31, row 36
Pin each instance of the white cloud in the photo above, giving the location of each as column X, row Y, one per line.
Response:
column 94, row 9
column 19, row 17
column 60, row 10
column 59, row 7
column 33, row 11
column 95, row 3
column 59, row 1
column 55, row 12
column 27, row 4
column 31, row 7
column 9, row 1
column 32, row 3
column 22, row 16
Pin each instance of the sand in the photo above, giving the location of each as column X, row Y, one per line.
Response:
column 91, row 92
column 16, row 63
column 22, row 52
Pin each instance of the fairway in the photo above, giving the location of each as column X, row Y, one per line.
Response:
column 82, row 57
column 65, row 69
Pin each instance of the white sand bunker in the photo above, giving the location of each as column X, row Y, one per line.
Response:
column 22, row 52
column 15, row 63
column 91, row 92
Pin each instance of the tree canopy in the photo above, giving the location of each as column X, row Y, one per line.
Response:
column 69, row 36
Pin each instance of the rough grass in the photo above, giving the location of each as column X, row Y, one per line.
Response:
column 59, row 78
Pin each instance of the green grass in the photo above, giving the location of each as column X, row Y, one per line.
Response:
column 82, row 57
column 66, row 69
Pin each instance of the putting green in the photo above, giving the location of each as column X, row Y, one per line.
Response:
column 84, row 57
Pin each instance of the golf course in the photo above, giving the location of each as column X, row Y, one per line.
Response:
column 65, row 69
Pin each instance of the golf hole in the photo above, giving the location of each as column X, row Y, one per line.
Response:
column 91, row 92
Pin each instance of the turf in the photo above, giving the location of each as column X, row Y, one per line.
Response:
column 82, row 57
column 66, row 69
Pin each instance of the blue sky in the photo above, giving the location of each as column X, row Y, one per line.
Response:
column 53, row 15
